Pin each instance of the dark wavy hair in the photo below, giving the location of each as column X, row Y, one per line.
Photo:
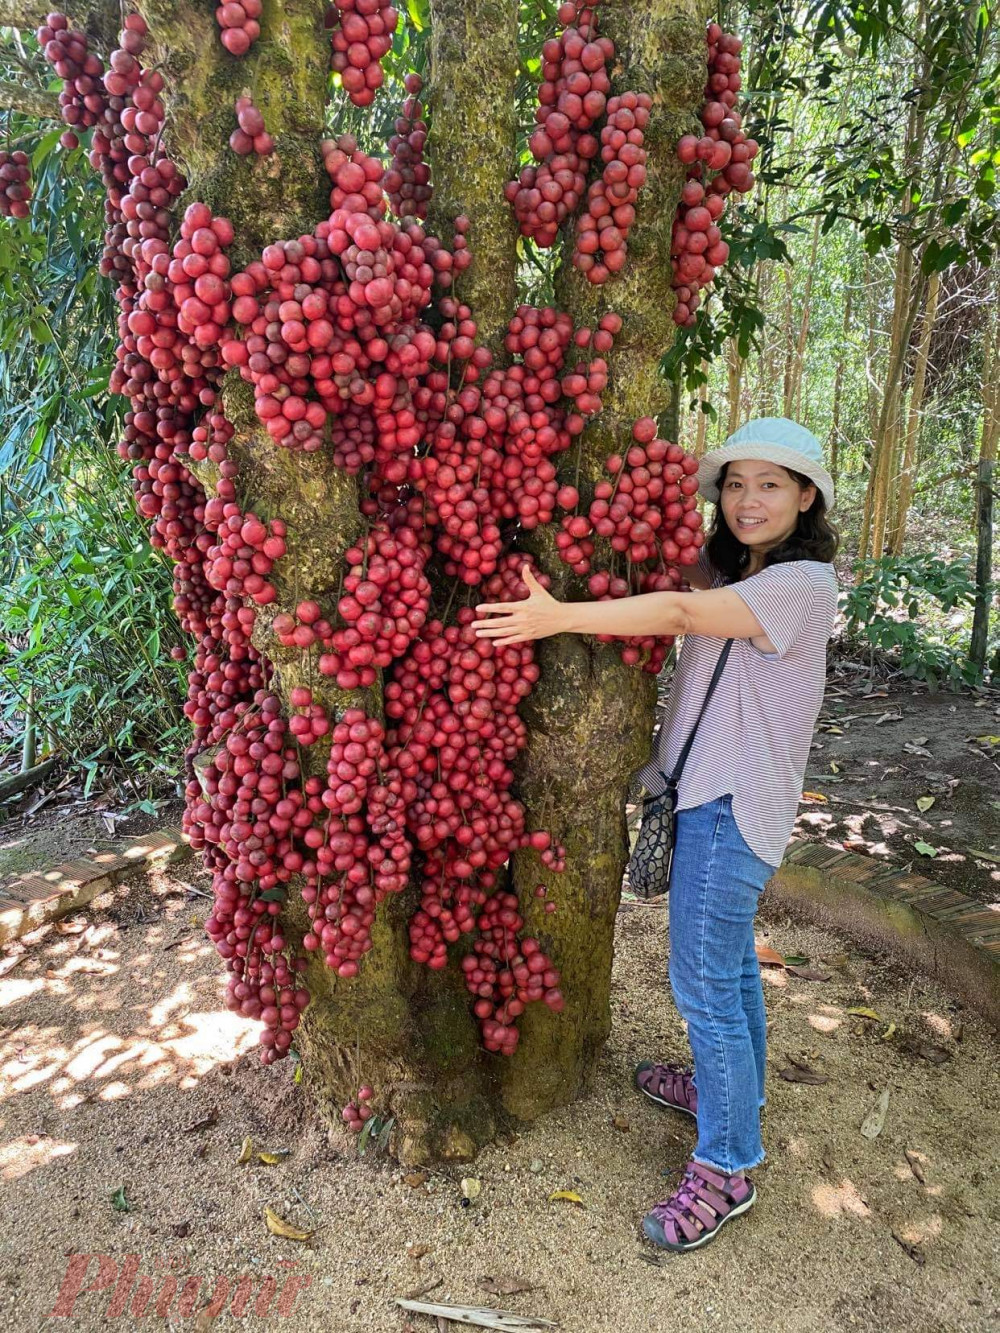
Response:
column 814, row 538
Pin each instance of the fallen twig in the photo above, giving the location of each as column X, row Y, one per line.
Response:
column 479, row 1315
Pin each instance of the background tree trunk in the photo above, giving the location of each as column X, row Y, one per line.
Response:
column 985, row 483
column 897, row 532
column 405, row 1029
column 838, row 390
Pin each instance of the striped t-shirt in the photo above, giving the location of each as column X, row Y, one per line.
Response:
column 753, row 742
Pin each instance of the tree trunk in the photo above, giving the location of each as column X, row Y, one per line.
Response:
column 985, row 482
column 734, row 381
column 794, row 407
column 897, row 532
column 838, row 389
column 405, row 1029
column 590, row 718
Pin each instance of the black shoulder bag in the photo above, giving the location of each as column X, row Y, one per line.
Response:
column 649, row 865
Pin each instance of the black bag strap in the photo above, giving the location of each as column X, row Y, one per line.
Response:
column 682, row 758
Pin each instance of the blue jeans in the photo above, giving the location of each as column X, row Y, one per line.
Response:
column 715, row 883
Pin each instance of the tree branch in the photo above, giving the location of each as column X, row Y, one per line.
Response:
column 29, row 101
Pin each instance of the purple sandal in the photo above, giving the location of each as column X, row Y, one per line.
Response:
column 668, row 1085
column 698, row 1209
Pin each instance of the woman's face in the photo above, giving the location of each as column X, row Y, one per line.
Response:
column 761, row 502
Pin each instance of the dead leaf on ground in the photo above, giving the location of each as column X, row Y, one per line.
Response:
column 985, row 856
column 769, row 957
column 914, row 1164
column 415, row 1179
column 914, row 1251
column 621, row 1122
column 74, row 925
column 272, row 1158
column 419, row 1251
column 205, row 1123
column 505, row 1286
column 422, row 1290
column 815, row 796
column 925, row 1050
column 797, row 1071
column 809, row 973
column 279, row 1227
column 246, row 1151
column 859, row 1011
column 910, row 748
column 874, row 1121
column 566, row 1196
column 924, row 803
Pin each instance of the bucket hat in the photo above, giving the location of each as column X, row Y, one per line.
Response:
column 775, row 439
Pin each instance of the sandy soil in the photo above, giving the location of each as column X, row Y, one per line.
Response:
column 69, row 826
column 114, row 1044
column 872, row 781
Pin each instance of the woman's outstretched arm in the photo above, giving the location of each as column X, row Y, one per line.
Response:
column 720, row 614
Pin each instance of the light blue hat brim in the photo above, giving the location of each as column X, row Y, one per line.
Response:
column 777, row 440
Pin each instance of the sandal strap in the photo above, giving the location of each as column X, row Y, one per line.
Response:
column 702, row 1196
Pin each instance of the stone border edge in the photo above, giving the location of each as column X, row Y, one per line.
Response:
column 945, row 934
column 52, row 893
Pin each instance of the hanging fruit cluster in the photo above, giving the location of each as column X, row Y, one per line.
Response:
column 361, row 36
column 602, row 231
column 82, row 98
column 719, row 163
column 15, row 184
column 239, row 24
column 571, row 97
column 352, row 344
column 250, row 135
column 407, row 181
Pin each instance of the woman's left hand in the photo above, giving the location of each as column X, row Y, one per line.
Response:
column 538, row 616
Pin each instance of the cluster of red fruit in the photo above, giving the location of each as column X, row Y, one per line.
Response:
column 362, row 35
column 648, row 514
column 358, row 1111
column 572, row 95
column 602, row 231
column 250, row 135
column 239, row 24
column 407, row 182
column 82, row 100
column 15, row 184
column 697, row 248
column 243, row 821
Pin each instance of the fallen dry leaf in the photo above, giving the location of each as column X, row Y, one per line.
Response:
column 246, row 1151
column 926, row 1050
column 859, row 1011
column 74, row 925
column 914, row 1164
column 815, row 796
column 769, row 957
column 205, row 1123
column 797, row 1071
column 279, row 1227
column 418, row 1251
column 874, row 1121
column 505, row 1286
column 914, row 1251
column 621, row 1122
column 415, row 1179
column 566, row 1196
column 273, row 1158
column 809, row 973
column 924, row 803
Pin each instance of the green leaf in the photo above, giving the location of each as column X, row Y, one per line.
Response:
column 925, row 849
column 275, row 895
column 366, row 1134
column 119, row 1202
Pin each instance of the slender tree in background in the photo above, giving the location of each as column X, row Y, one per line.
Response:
column 986, row 479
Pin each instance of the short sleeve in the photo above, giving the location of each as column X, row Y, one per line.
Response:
column 788, row 598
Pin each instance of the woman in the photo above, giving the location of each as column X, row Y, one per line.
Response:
column 765, row 581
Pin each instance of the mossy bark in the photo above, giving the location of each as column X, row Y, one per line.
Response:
column 407, row 1031
column 590, row 718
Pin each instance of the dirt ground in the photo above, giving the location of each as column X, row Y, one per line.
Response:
column 67, row 827
column 121, row 1069
column 875, row 756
